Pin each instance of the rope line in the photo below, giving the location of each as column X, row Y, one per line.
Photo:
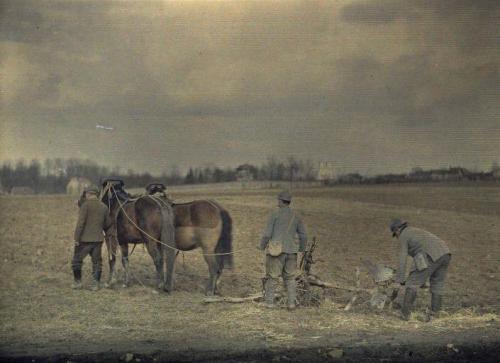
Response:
column 163, row 243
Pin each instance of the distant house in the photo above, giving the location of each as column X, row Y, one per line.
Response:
column 496, row 173
column 246, row 172
column 22, row 190
column 326, row 171
column 77, row 185
column 450, row 174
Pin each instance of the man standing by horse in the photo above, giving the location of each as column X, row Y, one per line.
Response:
column 431, row 258
column 93, row 219
column 281, row 249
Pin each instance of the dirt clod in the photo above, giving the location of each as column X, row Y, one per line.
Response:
column 335, row 353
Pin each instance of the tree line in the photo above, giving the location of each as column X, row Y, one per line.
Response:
column 52, row 175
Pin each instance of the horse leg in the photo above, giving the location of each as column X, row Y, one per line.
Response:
column 155, row 254
column 111, row 245
column 124, row 249
column 214, row 272
column 171, row 254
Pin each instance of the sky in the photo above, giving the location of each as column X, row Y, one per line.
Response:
column 371, row 86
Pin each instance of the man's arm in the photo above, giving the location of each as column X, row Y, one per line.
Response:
column 403, row 255
column 82, row 218
column 268, row 232
column 301, row 231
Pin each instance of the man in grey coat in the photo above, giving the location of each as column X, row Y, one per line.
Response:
column 282, row 226
column 431, row 257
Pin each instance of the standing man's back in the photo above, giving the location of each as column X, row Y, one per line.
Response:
column 282, row 249
column 93, row 219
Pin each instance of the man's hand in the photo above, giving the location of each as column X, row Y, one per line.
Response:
column 77, row 243
column 395, row 285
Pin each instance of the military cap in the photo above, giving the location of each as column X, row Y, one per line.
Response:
column 92, row 189
column 285, row 196
column 396, row 224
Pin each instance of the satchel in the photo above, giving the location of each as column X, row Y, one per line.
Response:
column 420, row 261
column 275, row 247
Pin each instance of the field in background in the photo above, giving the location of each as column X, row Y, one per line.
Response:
column 40, row 314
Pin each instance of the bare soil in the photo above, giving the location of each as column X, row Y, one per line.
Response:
column 42, row 319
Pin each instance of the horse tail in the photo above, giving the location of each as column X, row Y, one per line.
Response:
column 225, row 242
column 167, row 233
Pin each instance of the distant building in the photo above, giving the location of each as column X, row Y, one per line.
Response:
column 450, row 174
column 245, row 172
column 496, row 173
column 76, row 185
column 326, row 170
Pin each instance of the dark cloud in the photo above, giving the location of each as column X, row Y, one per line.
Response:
column 381, row 11
column 240, row 81
column 386, row 11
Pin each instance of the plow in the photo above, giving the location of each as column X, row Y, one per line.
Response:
column 379, row 295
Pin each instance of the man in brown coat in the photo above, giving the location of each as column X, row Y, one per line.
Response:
column 431, row 257
column 93, row 219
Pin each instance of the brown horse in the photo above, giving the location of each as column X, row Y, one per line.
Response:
column 139, row 220
column 198, row 224
column 207, row 225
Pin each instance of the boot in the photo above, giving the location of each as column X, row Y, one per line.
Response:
column 269, row 293
column 97, row 279
column 95, row 286
column 409, row 300
column 291, row 294
column 77, row 275
column 436, row 301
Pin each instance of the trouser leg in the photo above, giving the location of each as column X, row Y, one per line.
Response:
column 437, row 280
column 274, row 267
column 96, row 260
column 409, row 300
column 415, row 280
column 76, row 263
column 438, row 276
column 269, row 288
column 289, row 272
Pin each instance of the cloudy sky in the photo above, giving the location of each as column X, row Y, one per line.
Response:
column 373, row 86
